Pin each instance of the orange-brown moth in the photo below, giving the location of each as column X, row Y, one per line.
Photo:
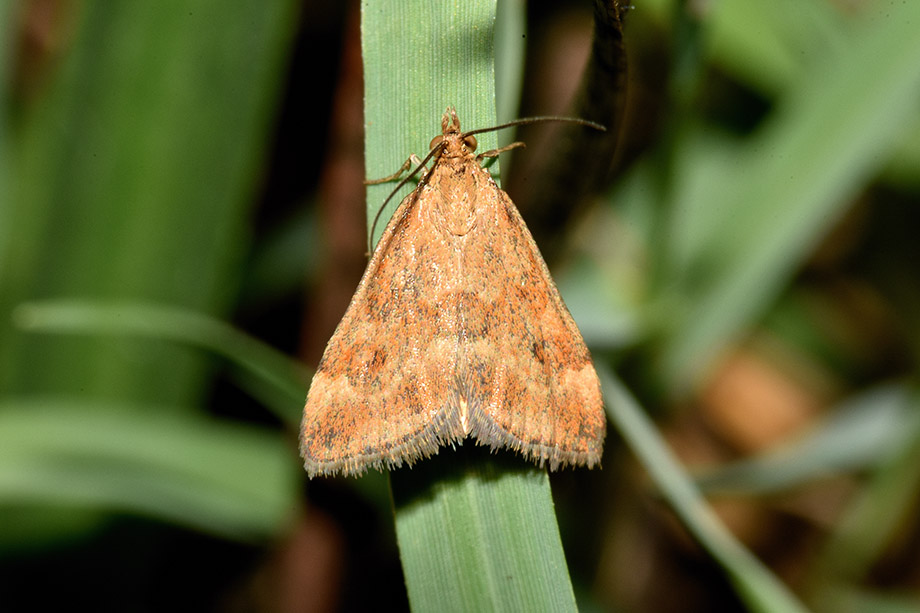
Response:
column 456, row 330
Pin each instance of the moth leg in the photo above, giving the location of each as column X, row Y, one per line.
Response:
column 412, row 162
column 493, row 153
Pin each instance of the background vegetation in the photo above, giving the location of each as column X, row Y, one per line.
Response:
column 173, row 174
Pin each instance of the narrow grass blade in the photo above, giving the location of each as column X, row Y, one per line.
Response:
column 756, row 585
column 227, row 480
column 274, row 377
column 478, row 533
column 859, row 435
column 784, row 187
column 881, row 509
column 485, row 539
column 134, row 169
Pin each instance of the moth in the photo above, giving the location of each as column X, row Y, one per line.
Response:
column 456, row 331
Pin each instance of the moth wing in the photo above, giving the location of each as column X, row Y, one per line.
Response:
column 380, row 396
column 527, row 373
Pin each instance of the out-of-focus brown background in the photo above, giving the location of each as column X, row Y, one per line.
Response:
column 749, row 269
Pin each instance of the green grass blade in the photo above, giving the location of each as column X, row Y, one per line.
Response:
column 858, row 435
column 510, row 51
column 478, row 533
column 274, row 378
column 228, row 480
column 847, row 599
column 755, row 584
column 780, row 193
column 877, row 515
column 134, row 169
column 454, row 530
column 417, row 61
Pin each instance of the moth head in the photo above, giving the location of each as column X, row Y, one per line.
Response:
column 469, row 141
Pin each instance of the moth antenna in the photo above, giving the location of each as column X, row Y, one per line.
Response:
column 529, row 120
column 406, row 179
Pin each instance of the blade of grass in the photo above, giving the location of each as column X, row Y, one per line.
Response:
column 789, row 183
column 478, row 532
column 755, row 584
column 770, row 44
column 412, row 73
column 510, row 32
column 847, row 599
column 232, row 481
column 858, row 435
column 882, row 507
column 493, row 529
column 134, row 168
column 764, row 44
column 275, row 378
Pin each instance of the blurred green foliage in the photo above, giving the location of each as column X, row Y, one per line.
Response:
column 134, row 141
column 135, row 146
